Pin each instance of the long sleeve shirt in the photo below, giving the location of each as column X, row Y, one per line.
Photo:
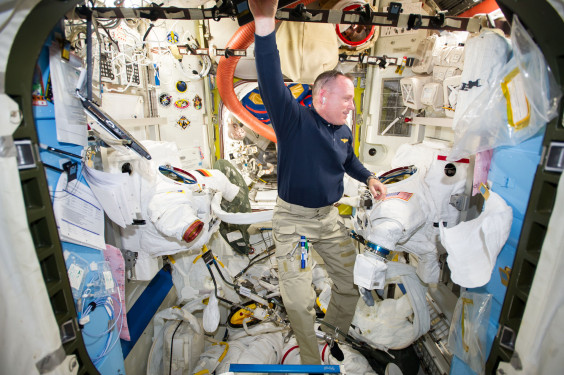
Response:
column 313, row 155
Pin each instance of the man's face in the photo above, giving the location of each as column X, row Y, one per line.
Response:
column 339, row 100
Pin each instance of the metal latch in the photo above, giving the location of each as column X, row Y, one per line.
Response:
column 554, row 161
column 459, row 201
column 507, row 338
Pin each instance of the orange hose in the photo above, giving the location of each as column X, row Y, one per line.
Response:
column 242, row 39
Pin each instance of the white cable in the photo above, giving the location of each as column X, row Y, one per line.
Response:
column 241, row 217
column 394, row 122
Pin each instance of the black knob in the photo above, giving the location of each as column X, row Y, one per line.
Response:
column 372, row 151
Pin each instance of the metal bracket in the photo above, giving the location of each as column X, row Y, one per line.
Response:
column 130, row 258
column 68, row 331
column 507, row 338
column 25, row 155
column 207, row 257
column 554, row 161
column 394, row 10
column 300, row 13
column 438, row 20
column 365, row 14
column 459, row 201
column 414, row 22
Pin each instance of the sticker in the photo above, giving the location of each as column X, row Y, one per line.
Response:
column 181, row 86
column 172, row 37
column 183, row 122
column 518, row 107
column 234, row 236
column 399, row 195
column 75, row 276
column 197, row 102
column 450, row 169
column 108, row 280
column 244, row 291
column 165, row 99
column 181, row 103
column 484, row 191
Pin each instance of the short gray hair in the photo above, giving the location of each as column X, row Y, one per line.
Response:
column 327, row 77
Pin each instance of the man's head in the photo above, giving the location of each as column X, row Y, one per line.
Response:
column 333, row 96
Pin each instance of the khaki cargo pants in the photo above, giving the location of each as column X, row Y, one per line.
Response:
column 325, row 230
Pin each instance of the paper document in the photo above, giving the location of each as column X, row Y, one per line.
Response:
column 79, row 215
column 113, row 191
column 69, row 113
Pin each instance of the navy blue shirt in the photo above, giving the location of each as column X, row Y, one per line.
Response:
column 313, row 155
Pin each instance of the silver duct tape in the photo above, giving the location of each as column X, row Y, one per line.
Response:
column 7, row 147
column 474, row 25
column 334, row 16
column 282, row 14
column 129, row 13
column 51, row 361
column 381, row 20
column 196, row 14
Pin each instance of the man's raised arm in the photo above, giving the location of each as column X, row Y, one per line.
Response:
column 263, row 11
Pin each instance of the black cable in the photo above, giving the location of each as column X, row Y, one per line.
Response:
column 215, row 288
column 171, row 345
column 148, row 31
column 254, row 261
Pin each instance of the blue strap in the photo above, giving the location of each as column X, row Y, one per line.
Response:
column 290, row 369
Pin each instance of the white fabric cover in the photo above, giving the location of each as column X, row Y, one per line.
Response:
column 189, row 335
column 307, row 50
column 211, row 314
column 540, row 343
column 262, row 347
column 484, row 57
column 369, row 271
column 386, row 323
column 28, row 327
column 474, row 245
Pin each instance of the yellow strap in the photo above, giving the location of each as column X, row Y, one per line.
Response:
column 224, row 351
column 465, row 301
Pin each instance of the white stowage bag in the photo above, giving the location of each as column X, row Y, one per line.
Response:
column 399, row 214
column 396, row 323
column 211, row 314
column 176, row 327
column 473, row 246
column 258, row 348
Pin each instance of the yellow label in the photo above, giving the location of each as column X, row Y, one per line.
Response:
column 484, row 191
column 518, row 107
column 255, row 98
